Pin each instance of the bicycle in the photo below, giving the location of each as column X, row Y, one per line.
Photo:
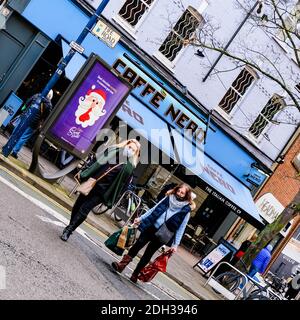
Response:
column 128, row 205
column 231, row 280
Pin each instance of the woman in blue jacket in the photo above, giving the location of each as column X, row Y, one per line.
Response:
column 171, row 214
column 261, row 261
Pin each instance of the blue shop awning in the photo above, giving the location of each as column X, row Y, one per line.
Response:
column 216, row 181
column 148, row 125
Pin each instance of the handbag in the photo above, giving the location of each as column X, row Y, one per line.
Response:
column 159, row 264
column 86, row 187
column 121, row 239
column 163, row 234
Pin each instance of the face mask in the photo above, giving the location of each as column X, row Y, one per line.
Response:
column 179, row 198
column 127, row 152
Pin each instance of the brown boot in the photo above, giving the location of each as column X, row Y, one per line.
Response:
column 134, row 277
column 122, row 264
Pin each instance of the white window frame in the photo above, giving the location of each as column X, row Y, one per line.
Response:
column 171, row 64
column 229, row 116
column 127, row 26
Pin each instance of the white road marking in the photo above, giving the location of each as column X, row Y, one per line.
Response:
column 57, row 223
column 61, row 218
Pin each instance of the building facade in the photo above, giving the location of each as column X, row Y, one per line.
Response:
column 168, row 91
column 276, row 194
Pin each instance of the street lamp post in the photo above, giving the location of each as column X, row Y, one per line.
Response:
column 60, row 69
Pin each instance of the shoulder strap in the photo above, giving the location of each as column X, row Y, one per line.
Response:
column 105, row 173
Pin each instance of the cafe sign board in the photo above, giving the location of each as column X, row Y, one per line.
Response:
column 213, row 258
column 269, row 207
column 106, row 34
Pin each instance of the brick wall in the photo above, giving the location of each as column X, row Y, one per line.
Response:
column 284, row 183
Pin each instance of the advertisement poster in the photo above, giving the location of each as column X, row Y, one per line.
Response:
column 11, row 106
column 213, row 257
column 95, row 99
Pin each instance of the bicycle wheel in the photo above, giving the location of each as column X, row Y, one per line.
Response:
column 258, row 295
column 117, row 218
column 229, row 280
column 99, row 209
column 124, row 205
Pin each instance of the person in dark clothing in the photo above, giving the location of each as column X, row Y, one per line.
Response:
column 109, row 187
column 37, row 110
column 243, row 248
column 234, row 260
column 173, row 213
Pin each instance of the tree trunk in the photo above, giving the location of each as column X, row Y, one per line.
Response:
column 270, row 231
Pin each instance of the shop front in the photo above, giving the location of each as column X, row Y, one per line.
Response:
column 182, row 143
column 221, row 198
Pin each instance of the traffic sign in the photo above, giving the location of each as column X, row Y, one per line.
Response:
column 77, row 47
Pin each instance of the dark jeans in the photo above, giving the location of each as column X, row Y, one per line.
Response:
column 21, row 133
column 252, row 271
column 153, row 245
column 83, row 205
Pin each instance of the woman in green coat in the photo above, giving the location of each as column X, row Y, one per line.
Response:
column 116, row 177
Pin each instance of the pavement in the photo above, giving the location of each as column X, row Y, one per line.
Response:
column 180, row 267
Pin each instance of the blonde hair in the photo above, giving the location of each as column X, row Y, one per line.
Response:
column 123, row 144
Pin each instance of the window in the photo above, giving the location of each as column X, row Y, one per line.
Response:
column 275, row 104
column 237, row 90
column 133, row 10
column 298, row 87
column 183, row 30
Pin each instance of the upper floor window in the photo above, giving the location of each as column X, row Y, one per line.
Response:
column 298, row 87
column 237, row 90
column 183, row 30
column 133, row 10
column 275, row 104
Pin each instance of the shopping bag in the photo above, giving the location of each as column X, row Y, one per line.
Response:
column 86, row 187
column 121, row 240
column 159, row 264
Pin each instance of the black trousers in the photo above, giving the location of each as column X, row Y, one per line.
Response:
column 153, row 245
column 82, row 206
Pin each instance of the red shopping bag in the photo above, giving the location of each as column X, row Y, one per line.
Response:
column 151, row 270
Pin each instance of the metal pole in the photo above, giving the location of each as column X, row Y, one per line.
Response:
column 34, row 167
column 231, row 39
column 68, row 57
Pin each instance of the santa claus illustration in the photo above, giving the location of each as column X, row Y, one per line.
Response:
column 91, row 107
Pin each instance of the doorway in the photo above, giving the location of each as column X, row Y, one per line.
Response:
column 211, row 215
